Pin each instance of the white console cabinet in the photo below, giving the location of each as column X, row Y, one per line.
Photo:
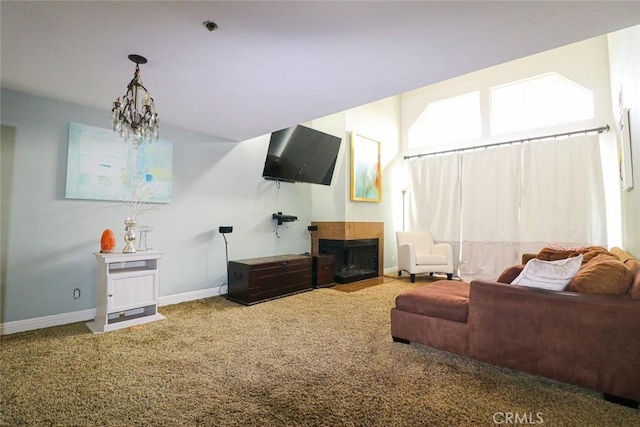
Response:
column 128, row 290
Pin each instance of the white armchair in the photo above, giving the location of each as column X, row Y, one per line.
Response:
column 418, row 254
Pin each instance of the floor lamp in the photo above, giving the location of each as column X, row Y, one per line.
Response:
column 403, row 205
column 224, row 229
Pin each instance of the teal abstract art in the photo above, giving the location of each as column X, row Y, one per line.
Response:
column 100, row 166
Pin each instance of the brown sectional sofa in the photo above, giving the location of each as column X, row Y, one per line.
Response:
column 590, row 340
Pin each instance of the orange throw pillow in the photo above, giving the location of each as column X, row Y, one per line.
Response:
column 588, row 253
column 602, row 275
column 593, row 252
column 548, row 254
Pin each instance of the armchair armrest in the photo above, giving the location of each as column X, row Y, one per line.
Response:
column 443, row 249
column 406, row 257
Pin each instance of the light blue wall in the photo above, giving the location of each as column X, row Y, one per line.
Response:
column 47, row 241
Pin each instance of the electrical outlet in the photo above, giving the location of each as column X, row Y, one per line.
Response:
column 393, row 258
column 76, row 293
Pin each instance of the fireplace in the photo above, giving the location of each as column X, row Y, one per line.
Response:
column 354, row 259
column 352, row 233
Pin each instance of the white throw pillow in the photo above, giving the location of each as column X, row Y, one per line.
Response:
column 552, row 275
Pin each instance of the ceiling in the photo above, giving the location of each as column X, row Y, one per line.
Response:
column 273, row 64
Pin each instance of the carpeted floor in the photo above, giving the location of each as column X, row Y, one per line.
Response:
column 320, row 358
column 421, row 279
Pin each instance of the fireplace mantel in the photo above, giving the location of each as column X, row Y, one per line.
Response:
column 342, row 230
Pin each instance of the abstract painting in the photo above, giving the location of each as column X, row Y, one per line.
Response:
column 100, row 166
column 366, row 174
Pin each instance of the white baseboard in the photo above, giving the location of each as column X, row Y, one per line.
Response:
column 16, row 326
column 189, row 296
column 391, row 270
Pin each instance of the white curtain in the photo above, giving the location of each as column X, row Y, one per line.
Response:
column 494, row 205
column 489, row 214
column 435, row 202
column 562, row 194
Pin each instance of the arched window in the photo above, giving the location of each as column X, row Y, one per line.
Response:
column 447, row 120
column 541, row 101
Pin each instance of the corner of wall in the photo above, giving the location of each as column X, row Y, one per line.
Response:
column 624, row 64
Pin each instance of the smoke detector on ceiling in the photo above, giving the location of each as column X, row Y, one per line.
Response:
column 210, row 25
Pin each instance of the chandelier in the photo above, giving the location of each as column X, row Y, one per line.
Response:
column 135, row 117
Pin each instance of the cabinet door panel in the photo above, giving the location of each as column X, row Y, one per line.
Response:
column 127, row 291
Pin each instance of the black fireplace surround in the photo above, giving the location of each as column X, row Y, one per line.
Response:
column 354, row 259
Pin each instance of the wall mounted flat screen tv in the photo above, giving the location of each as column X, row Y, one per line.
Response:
column 301, row 154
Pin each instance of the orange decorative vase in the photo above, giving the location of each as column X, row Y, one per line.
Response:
column 107, row 241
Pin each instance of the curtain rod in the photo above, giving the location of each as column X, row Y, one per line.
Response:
column 515, row 141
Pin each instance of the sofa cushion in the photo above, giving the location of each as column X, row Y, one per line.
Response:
column 602, row 275
column 552, row 275
column 509, row 274
column 595, row 251
column 634, row 266
column 549, row 254
column 430, row 259
column 445, row 299
column 634, row 290
column 621, row 254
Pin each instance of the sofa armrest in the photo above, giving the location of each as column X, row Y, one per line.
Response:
column 588, row 340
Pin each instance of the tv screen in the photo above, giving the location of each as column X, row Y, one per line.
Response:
column 301, row 154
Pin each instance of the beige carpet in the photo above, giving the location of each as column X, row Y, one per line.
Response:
column 320, row 358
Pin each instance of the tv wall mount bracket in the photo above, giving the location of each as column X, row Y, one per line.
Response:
column 282, row 218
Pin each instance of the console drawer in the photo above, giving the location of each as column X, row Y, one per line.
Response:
column 260, row 279
column 323, row 270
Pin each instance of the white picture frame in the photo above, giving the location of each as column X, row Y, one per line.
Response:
column 624, row 152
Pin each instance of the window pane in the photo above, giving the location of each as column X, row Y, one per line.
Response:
column 447, row 120
column 541, row 101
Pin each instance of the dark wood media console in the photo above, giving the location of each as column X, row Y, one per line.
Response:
column 260, row 279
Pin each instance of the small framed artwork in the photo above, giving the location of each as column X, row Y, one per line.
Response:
column 366, row 173
column 626, row 168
